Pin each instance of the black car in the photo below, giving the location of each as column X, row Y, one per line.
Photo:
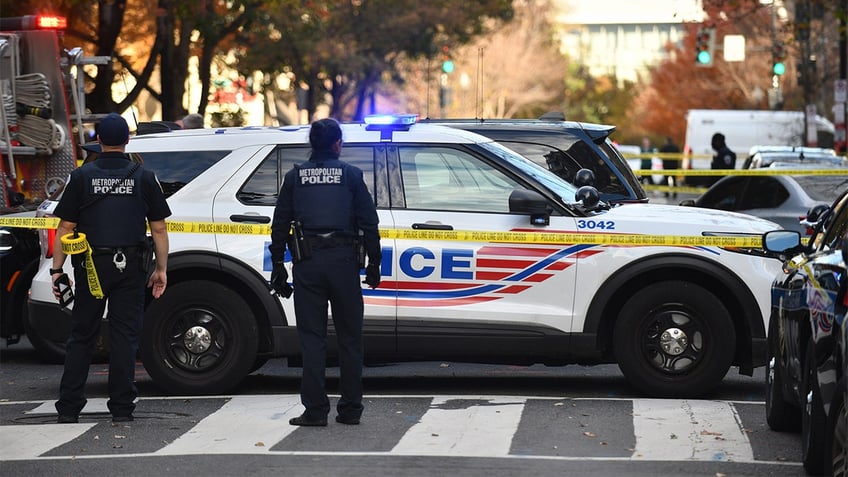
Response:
column 564, row 147
column 19, row 252
column 806, row 374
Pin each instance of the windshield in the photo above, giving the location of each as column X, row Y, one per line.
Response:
column 546, row 178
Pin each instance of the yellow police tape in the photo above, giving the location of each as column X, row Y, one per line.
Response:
column 742, row 172
column 76, row 244
column 553, row 238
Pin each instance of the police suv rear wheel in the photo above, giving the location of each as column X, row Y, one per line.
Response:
column 680, row 346
column 198, row 338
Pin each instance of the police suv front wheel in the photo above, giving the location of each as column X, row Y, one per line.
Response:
column 674, row 339
column 198, row 338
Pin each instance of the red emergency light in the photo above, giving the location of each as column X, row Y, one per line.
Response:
column 33, row 22
column 44, row 22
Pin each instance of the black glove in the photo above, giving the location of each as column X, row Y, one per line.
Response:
column 372, row 275
column 280, row 280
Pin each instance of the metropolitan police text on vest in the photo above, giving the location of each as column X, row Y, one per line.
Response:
column 321, row 175
column 112, row 186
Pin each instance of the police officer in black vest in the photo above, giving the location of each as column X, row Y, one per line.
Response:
column 104, row 211
column 329, row 204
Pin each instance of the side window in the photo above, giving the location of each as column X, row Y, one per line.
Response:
column 439, row 178
column 763, row 193
column 724, row 197
column 264, row 184
column 363, row 158
column 176, row 169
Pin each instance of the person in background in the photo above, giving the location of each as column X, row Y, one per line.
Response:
column 326, row 202
column 724, row 158
column 191, row 121
column 645, row 163
column 670, row 163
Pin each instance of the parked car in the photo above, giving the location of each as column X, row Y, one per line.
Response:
column 19, row 253
column 806, row 375
column 674, row 318
column 764, row 156
column 563, row 147
column 783, row 199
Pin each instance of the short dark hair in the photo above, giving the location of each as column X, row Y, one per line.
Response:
column 324, row 133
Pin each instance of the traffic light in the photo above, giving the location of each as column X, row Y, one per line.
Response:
column 778, row 57
column 705, row 47
column 447, row 62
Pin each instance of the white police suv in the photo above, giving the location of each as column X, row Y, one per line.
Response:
column 487, row 257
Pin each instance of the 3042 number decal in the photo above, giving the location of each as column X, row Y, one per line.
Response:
column 596, row 224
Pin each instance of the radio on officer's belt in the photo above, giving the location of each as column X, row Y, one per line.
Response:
column 298, row 246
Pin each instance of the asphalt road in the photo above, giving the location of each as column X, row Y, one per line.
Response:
column 429, row 418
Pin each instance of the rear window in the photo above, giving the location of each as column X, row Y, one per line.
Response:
column 176, row 169
column 823, row 188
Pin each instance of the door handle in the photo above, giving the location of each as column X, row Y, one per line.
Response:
column 431, row 226
column 259, row 219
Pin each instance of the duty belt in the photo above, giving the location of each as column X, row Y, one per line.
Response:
column 113, row 250
column 318, row 241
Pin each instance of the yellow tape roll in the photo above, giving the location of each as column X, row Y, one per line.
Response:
column 75, row 244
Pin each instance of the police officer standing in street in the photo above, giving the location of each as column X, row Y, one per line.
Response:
column 322, row 208
column 104, row 211
column 724, row 158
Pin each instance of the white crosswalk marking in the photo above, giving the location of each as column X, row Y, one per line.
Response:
column 455, row 425
column 482, row 428
column 244, row 425
column 28, row 442
column 94, row 405
column 668, row 429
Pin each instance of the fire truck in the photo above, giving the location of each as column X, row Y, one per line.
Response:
column 42, row 125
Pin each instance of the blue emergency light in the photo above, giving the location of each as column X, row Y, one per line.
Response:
column 376, row 121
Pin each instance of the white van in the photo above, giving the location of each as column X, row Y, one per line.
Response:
column 744, row 129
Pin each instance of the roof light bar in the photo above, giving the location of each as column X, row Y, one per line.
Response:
column 33, row 22
column 397, row 120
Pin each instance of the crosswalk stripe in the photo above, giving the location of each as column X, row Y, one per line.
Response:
column 466, row 427
column 668, row 429
column 244, row 425
column 93, row 405
column 28, row 442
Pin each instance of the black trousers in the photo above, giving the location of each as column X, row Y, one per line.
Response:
column 125, row 293
column 331, row 276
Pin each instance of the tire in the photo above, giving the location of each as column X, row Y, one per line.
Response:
column 198, row 338
column 781, row 415
column 813, row 419
column 48, row 350
column 837, row 432
column 674, row 339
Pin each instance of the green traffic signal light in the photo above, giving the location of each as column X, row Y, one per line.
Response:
column 779, row 68
column 447, row 66
column 704, row 57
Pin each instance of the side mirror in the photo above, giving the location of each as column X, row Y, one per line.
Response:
column 687, row 203
column 782, row 241
column 532, row 203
